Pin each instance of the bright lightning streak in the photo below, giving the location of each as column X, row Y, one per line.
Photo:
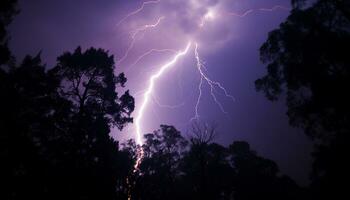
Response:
column 212, row 84
column 149, row 91
column 196, row 115
column 137, row 11
column 244, row 14
column 139, row 156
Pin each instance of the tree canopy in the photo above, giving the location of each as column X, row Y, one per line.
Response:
column 307, row 60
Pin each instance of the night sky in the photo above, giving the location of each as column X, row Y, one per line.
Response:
column 228, row 46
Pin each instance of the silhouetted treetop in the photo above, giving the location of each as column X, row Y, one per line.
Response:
column 8, row 9
column 88, row 80
column 308, row 57
column 173, row 167
column 55, row 127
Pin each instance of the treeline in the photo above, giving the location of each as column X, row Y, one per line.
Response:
column 55, row 142
column 174, row 167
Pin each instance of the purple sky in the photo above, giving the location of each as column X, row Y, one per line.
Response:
column 228, row 46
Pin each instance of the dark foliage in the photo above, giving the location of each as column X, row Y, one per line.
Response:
column 8, row 8
column 308, row 57
column 175, row 168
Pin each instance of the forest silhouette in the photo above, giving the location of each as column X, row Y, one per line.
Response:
column 55, row 123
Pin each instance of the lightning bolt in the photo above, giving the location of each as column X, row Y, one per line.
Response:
column 127, row 51
column 145, row 27
column 212, row 84
column 139, row 156
column 135, row 33
column 137, row 11
column 149, row 91
column 244, row 14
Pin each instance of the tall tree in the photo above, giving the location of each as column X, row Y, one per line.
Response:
column 208, row 174
column 257, row 177
column 308, row 58
column 29, row 105
column 160, row 167
column 55, row 143
column 88, row 82
column 8, row 9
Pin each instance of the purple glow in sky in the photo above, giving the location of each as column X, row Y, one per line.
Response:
column 228, row 34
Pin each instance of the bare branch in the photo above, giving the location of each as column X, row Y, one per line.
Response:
column 203, row 133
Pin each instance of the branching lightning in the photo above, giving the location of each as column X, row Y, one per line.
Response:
column 127, row 51
column 149, row 91
column 145, row 27
column 137, row 11
column 133, row 35
column 204, row 78
column 212, row 84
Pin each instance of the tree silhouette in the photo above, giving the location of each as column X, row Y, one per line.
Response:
column 30, row 108
column 160, row 167
column 208, row 175
column 8, row 8
column 257, row 177
column 55, row 142
column 88, row 81
column 308, row 58
column 175, row 168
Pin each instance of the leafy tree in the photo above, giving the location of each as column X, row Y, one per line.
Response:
column 208, row 174
column 172, row 169
column 8, row 8
column 29, row 105
column 54, row 146
column 160, row 167
column 308, row 58
column 88, row 81
column 257, row 177
column 128, row 156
